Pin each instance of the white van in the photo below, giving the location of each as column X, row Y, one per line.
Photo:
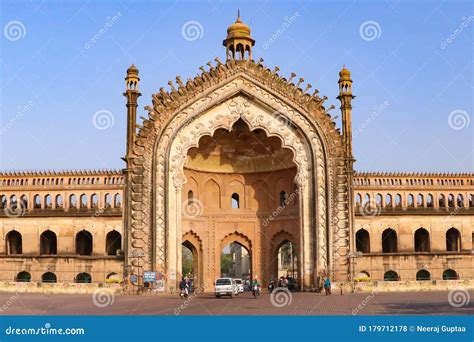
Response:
column 225, row 287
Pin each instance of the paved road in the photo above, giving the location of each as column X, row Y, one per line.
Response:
column 411, row 303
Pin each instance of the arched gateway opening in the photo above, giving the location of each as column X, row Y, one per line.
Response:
column 236, row 177
column 236, row 262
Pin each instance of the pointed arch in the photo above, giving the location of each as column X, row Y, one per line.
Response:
column 212, row 195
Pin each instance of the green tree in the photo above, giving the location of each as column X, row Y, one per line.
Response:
column 226, row 262
column 188, row 262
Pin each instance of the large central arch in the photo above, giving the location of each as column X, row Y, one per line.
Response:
column 257, row 116
column 156, row 176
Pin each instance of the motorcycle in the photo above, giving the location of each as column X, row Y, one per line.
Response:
column 256, row 291
column 183, row 293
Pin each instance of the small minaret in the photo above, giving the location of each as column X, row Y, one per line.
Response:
column 346, row 97
column 132, row 95
column 238, row 42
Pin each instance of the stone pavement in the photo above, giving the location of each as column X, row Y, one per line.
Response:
column 104, row 303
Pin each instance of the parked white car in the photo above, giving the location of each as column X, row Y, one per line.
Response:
column 240, row 285
column 225, row 287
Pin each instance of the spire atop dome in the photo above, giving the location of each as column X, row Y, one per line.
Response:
column 238, row 42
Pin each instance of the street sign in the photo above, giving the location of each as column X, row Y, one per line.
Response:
column 149, row 277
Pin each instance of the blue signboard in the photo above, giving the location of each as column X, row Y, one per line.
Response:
column 149, row 277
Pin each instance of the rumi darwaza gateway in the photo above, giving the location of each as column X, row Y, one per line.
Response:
column 237, row 172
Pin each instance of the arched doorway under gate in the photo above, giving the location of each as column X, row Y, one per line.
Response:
column 284, row 264
column 192, row 259
column 236, row 262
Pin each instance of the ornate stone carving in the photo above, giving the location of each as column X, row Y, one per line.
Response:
column 161, row 146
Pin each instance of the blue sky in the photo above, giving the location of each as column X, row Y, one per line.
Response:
column 411, row 62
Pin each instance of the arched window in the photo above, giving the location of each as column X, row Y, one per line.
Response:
column 398, row 200
column 14, row 242
column 48, row 277
column 460, row 201
column 117, row 201
column 113, row 242
column 94, row 201
column 3, row 202
column 410, row 200
column 419, row 200
column 72, row 201
column 83, row 278
column 422, row 240
column 450, row 274
column 13, row 202
column 389, row 241
column 83, row 201
column 37, row 201
column 48, row 243
column 471, row 201
column 363, row 241
column 378, row 200
column 441, row 201
column 84, row 243
column 391, row 276
column 451, row 201
column 235, row 204
column 24, row 201
column 367, row 199
column 283, row 199
column 59, row 201
column 423, row 275
column 108, row 201
column 23, row 277
column 388, row 200
column 48, row 203
column 358, row 199
column 190, row 197
column 453, row 240
column 429, row 200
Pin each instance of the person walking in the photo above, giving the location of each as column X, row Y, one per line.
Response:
column 327, row 286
